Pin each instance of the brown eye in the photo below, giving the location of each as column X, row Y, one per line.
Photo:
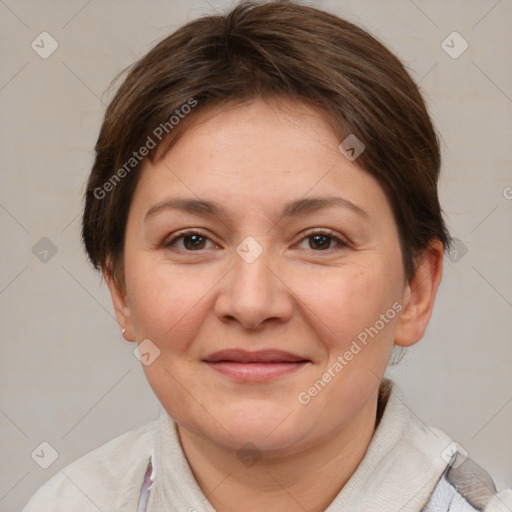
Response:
column 320, row 242
column 191, row 241
column 194, row 242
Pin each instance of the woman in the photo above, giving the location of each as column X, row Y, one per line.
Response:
column 263, row 207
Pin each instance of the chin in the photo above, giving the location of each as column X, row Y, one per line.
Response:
column 269, row 427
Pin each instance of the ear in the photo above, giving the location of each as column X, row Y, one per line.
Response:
column 120, row 303
column 419, row 296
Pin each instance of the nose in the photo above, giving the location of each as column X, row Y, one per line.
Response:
column 254, row 294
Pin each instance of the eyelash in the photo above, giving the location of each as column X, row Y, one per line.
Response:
column 340, row 244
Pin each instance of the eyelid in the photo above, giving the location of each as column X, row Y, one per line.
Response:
column 168, row 241
column 341, row 241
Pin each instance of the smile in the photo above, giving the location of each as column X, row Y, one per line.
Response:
column 257, row 366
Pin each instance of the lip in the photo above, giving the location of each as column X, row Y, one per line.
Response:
column 256, row 366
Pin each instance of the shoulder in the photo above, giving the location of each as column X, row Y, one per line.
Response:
column 108, row 478
column 467, row 487
column 433, row 462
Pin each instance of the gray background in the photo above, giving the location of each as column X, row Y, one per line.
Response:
column 66, row 375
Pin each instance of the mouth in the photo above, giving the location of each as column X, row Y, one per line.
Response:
column 258, row 366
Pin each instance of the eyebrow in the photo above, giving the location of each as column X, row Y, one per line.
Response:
column 292, row 209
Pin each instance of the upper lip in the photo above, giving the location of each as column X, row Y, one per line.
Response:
column 259, row 356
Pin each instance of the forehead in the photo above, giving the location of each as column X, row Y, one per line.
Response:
column 258, row 152
column 269, row 130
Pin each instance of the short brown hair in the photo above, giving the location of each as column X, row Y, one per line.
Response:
column 269, row 50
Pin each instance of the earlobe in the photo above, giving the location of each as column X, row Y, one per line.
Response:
column 419, row 296
column 121, row 306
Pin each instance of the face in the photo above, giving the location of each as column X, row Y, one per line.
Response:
column 266, row 268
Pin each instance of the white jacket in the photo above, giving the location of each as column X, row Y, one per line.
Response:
column 408, row 467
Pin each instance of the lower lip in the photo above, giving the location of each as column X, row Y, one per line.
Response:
column 256, row 372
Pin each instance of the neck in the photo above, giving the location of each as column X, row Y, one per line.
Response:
column 307, row 480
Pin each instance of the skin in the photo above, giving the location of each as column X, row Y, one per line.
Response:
column 253, row 159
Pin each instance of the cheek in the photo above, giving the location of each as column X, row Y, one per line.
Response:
column 341, row 303
column 167, row 305
column 354, row 313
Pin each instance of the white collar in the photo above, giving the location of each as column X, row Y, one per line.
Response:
column 402, row 465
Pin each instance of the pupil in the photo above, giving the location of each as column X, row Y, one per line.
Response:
column 321, row 241
column 194, row 241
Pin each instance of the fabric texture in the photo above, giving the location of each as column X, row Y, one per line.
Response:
column 405, row 468
column 466, row 487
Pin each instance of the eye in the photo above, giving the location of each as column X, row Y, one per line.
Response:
column 189, row 241
column 322, row 241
